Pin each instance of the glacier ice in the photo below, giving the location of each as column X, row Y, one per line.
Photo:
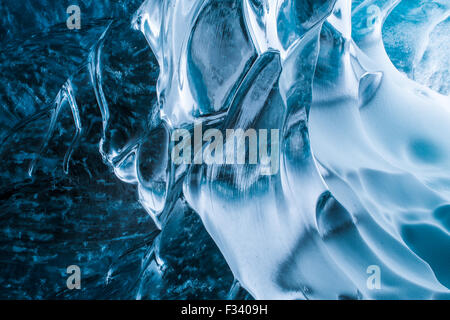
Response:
column 359, row 93
column 363, row 151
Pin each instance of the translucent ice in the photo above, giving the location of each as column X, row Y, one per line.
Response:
column 356, row 91
column 364, row 155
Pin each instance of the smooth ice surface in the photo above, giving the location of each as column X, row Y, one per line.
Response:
column 364, row 154
column 359, row 93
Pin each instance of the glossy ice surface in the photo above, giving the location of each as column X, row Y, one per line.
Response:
column 358, row 91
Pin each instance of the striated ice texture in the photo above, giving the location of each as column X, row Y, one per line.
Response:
column 358, row 91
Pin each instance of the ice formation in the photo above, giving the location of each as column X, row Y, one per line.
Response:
column 364, row 153
column 364, row 175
